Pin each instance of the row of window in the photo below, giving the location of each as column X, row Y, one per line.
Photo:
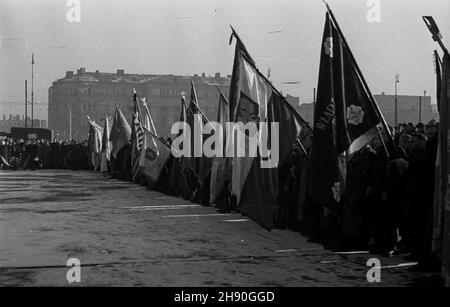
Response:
column 163, row 92
column 90, row 91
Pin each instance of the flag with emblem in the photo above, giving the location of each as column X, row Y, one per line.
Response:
column 254, row 100
column 344, row 119
column 155, row 151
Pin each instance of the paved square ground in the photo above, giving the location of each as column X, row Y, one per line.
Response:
column 126, row 235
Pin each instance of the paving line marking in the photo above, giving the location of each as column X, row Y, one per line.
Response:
column 352, row 253
column 198, row 215
column 401, row 265
column 156, row 209
column 286, row 250
column 297, row 250
column 225, row 258
column 160, row 207
column 236, row 220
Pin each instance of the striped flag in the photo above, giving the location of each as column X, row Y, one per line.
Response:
column 137, row 139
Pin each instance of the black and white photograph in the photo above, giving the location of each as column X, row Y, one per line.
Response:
column 224, row 149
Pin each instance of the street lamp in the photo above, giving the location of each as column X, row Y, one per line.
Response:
column 69, row 110
column 420, row 105
column 32, row 91
column 397, row 80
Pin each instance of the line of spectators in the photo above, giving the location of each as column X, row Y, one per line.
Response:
column 388, row 201
column 41, row 154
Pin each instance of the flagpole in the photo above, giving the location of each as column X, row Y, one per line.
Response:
column 154, row 135
column 303, row 149
column 144, row 102
column 221, row 94
column 234, row 33
column 437, row 65
column 383, row 143
column 361, row 77
column 433, row 28
column 252, row 63
column 198, row 106
column 32, row 90
column 26, row 102
column 288, row 106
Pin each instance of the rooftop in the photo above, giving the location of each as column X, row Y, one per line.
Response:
column 120, row 76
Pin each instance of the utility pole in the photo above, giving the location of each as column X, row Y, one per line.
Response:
column 420, row 109
column 424, row 97
column 32, row 90
column 26, row 102
column 70, row 124
column 397, row 80
column 314, row 101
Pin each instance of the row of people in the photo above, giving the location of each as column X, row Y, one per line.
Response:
column 388, row 201
column 38, row 154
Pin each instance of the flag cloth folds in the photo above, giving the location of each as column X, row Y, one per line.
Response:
column 441, row 206
column 95, row 144
column 344, row 115
column 176, row 182
column 120, row 133
column 249, row 94
column 218, row 172
column 137, row 140
column 253, row 99
column 196, row 170
column 106, row 145
column 155, row 153
column 260, row 197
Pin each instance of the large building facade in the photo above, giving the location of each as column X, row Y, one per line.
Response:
column 81, row 94
column 410, row 108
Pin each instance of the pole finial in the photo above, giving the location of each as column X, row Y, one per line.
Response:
column 326, row 5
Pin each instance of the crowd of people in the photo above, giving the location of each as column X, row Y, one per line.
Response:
column 42, row 154
column 388, row 201
column 386, row 208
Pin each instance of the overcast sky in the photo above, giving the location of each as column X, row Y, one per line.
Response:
column 186, row 37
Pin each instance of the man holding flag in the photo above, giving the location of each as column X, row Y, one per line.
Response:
column 345, row 119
